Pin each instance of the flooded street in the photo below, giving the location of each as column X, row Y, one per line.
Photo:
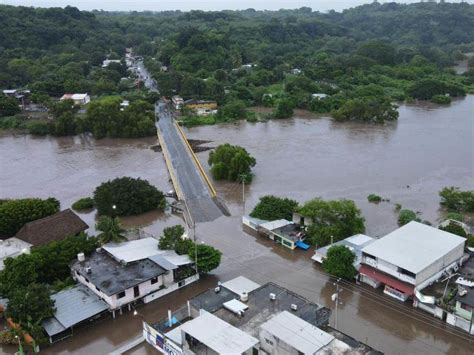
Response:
column 408, row 162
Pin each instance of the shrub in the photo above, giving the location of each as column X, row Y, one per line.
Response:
column 455, row 216
column 229, row 162
column 441, row 99
column 407, row 216
column 129, row 196
column 374, row 198
column 38, row 128
column 15, row 213
column 470, row 242
column 456, row 200
column 455, row 228
column 83, row 204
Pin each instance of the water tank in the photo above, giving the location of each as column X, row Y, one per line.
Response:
column 273, row 296
column 217, row 289
column 81, row 257
column 294, row 307
column 88, row 269
column 244, row 297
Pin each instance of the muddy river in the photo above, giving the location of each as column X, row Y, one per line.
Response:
column 408, row 162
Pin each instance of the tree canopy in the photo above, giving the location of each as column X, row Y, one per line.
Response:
column 339, row 262
column 272, row 208
column 338, row 219
column 229, row 162
column 110, row 230
column 15, row 213
column 127, row 196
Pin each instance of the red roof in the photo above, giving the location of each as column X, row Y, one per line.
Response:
column 391, row 281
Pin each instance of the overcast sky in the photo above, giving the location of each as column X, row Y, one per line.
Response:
column 158, row 5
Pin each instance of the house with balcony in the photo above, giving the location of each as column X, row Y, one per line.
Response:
column 410, row 258
column 135, row 271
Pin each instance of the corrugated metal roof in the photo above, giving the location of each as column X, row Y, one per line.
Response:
column 296, row 332
column 170, row 260
column 414, row 246
column 219, row 335
column 73, row 306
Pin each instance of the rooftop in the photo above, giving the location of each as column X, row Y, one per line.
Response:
column 467, row 299
column 133, row 250
column 73, row 306
column 297, row 333
column 223, row 339
column 240, row 285
column 402, row 247
column 11, row 248
column 52, row 228
column 112, row 277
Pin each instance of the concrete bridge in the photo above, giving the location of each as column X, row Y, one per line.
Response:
column 190, row 181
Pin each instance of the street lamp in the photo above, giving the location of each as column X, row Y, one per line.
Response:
column 335, row 299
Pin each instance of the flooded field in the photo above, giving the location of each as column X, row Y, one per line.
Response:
column 408, row 162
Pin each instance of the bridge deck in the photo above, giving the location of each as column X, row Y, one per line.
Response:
column 192, row 185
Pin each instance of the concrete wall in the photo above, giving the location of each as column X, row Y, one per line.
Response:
column 273, row 345
column 462, row 312
column 440, row 264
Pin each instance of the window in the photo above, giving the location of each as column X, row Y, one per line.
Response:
column 121, row 295
column 466, row 307
column 154, row 280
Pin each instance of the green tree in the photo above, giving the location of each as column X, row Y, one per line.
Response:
column 374, row 109
column 8, row 106
column 284, row 109
column 127, row 196
column 338, row 219
column 171, row 237
column 83, row 204
column 272, row 208
column 339, row 262
column 30, row 305
column 231, row 163
column 111, row 230
column 15, row 213
column 208, row 258
column 406, row 216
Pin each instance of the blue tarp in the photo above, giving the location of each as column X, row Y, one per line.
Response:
column 302, row 245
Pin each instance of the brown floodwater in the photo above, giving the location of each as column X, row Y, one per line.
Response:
column 408, row 162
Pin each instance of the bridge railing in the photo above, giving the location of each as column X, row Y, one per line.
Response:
column 198, row 163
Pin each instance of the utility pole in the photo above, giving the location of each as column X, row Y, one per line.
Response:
column 195, row 248
column 335, row 298
column 243, row 177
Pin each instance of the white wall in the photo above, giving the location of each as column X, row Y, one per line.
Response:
column 273, row 345
column 440, row 264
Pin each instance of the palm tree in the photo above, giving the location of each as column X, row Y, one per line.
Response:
column 111, row 229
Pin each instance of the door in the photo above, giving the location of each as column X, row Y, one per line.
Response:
column 136, row 291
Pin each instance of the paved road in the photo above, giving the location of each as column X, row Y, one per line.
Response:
column 202, row 206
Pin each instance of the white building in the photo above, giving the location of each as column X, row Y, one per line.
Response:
column 122, row 273
column 107, row 62
column 178, row 102
column 79, row 99
column 410, row 258
column 11, row 248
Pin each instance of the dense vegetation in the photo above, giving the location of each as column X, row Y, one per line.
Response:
column 337, row 219
column 15, row 213
column 455, row 228
column 231, row 162
column 127, row 196
column 271, row 208
column 28, row 279
column 405, row 216
column 339, row 262
column 110, row 230
column 363, row 58
column 83, row 204
column 456, row 200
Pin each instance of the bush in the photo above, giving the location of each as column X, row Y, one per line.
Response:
column 129, row 196
column 406, row 216
column 230, row 162
column 374, row 198
column 470, row 242
column 456, row 200
column 371, row 109
column 455, row 216
column 83, row 204
column 339, row 262
column 338, row 219
column 284, row 109
column 15, row 213
column 38, row 128
column 441, row 99
column 208, row 258
column 271, row 208
column 455, row 228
